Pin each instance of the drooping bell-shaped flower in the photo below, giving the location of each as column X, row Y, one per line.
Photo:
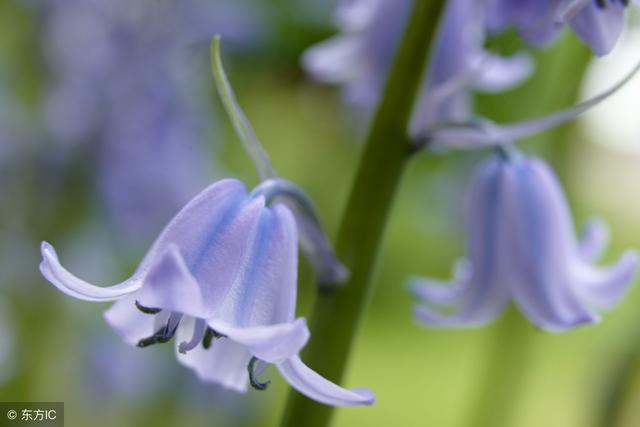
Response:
column 225, row 270
column 360, row 57
column 222, row 278
column 521, row 247
column 597, row 23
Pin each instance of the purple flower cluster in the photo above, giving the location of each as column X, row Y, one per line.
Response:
column 361, row 55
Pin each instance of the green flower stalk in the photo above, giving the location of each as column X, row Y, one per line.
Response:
column 337, row 313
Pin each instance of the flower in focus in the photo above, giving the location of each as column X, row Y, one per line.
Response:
column 521, row 247
column 597, row 23
column 222, row 278
column 361, row 56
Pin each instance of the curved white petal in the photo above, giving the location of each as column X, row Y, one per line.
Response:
column 335, row 60
column 62, row 279
column 594, row 240
column 437, row 291
column 314, row 386
column 442, row 292
column 169, row 285
column 131, row 324
column 498, row 73
column 272, row 343
column 470, row 315
column 224, row 363
column 604, row 287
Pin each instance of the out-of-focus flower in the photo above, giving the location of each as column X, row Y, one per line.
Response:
column 521, row 247
column 360, row 57
column 223, row 270
column 7, row 344
column 129, row 77
column 117, row 371
column 598, row 23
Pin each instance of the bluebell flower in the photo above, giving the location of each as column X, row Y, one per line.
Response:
column 521, row 248
column 361, row 55
column 598, row 23
column 222, row 278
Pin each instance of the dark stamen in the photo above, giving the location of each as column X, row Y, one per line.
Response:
column 147, row 310
column 209, row 335
column 601, row 3
column 252, row 376
column 163, row 335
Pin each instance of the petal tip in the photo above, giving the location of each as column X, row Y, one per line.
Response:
column 47, row 251
column 560, row 327
column 368, row 397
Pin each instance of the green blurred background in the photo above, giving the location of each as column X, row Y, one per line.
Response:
column 53, row 348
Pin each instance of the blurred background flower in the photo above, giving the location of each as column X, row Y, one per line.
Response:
column 360, row 58
column 130, row 78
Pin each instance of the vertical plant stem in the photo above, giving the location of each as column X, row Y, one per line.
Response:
column 503, row 375
column 337, row 314
column 623, row 406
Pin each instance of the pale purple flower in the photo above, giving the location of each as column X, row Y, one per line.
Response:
column 222, row 278
column 521, row 247
column 361, row 55
column 597, row 23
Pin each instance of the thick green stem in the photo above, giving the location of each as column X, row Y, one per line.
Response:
column 337, row 314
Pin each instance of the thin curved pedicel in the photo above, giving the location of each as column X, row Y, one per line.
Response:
column 329, row 270
column 521, row 247
column 483, row 133
column 312, row 238
column 240, row 122
column 487, row 73
column 225, row 267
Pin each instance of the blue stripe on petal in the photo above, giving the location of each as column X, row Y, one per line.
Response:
column 251, row 279
column 215, row 229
